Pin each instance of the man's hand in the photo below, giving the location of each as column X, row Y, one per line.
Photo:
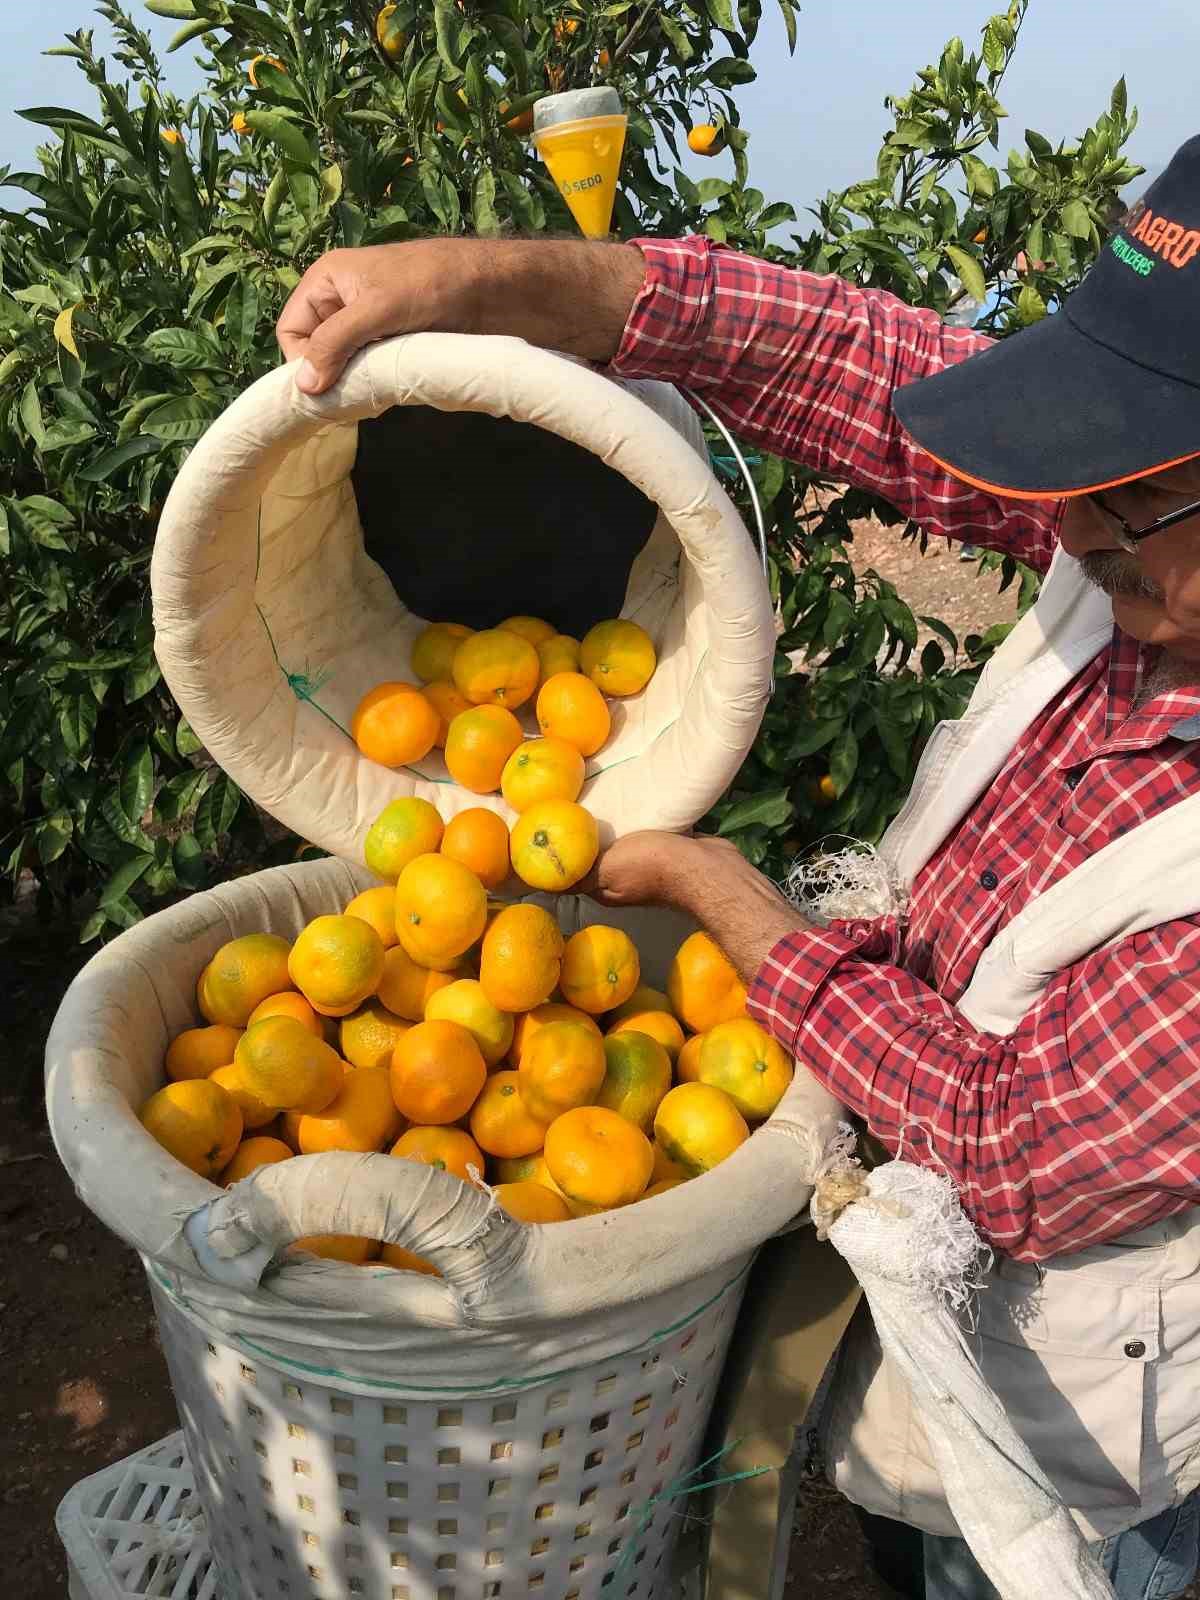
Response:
column 711, row 880
column 561, row 294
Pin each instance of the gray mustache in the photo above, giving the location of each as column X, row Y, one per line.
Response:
column 1118, row 575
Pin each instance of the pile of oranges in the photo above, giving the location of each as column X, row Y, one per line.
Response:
column 447, row 1028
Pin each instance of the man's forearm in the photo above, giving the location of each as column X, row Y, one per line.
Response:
column 560, row 294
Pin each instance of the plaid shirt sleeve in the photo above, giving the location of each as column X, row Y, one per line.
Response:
column 804, row 366
column 1074, row 1130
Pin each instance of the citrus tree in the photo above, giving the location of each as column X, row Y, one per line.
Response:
column 140, row 286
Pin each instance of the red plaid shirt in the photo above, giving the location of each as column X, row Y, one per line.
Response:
column 1085, row 1122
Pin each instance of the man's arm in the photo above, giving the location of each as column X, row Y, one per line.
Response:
column 1074, row 1130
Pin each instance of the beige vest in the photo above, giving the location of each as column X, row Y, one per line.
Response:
column 1096, row 1355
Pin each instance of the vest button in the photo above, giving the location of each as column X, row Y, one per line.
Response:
column 1135, row 1349
column 988, row 879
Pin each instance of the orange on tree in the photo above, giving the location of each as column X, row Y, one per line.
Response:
column 394, row 724
column 753, row 1069
column 570, row 707
column 603, row 59
column 496, row 668
column 362, row 1116
column 441, row 910
column 255, row 1112
column 196, row 1052
column 291, row 1003
column 531, row 1202
column 239, row 125
column 285, row 1066
column 478, row 839
column 559, row 653
column 618, row 657
column 519, row 124
column 447, row 1149
column 395, row 1255
column 251, row 1154
column 466, row 1003
column 636, row 1079
column 405, row 988
column 403, row 830
column 698, row 1127
column 554, row 844
column 270, row 61
column 347, row 1247
column 388, row 34
column 600, row 968
column 643, row 998
column 336, row 963
column 532, row 629
column 478, row 743
column 565, row 28
column 171, row 136
column 541, row 769
column 437, row 1072
column 597, row 1158
column 706, row 139
column 242, row 973
column 562, row 1067
column 368, row 1036
column 703, row 985
column 435, row 647
column 521, row 958
column 445, row 699
column 500, row 1122
column 197, row 1122
column 687, row 1062
column 377, row 908
column 529, row 1022
column 660, row 1025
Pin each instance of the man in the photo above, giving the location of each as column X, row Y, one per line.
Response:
column 1029, row 1024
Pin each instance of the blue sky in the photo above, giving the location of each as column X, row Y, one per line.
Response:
column 816, row 118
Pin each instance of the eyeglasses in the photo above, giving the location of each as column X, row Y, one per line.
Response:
column 1130, row 537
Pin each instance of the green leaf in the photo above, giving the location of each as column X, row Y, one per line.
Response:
column 188, row 860
column 285, row 136
column 137, row 782
column 77, row 724
column 789, row 22
column 993, row 49
column 1076, row 219
column 186, row 741
column 968, row 272
column 216, row 811
column 483, row 203
column 124, row 878
column 110, row 461
column 191, row 31
column 730, row 71
column 181, row 421
column 182, row 349
column 771, row 809
column 178, row 795
column 31, row 414
column 808, row 740
column 1030, row 305
column 176, row 10
column 843, row 760
column 53, row 835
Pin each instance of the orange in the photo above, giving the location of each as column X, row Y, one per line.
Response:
column 347, row 1247
column 252, row 1154
column 562, row 1066
column 597, row 1158
column 336, row 963
column 286, row 1067
column 478, row 839
column 394, row 724
column 521, row 958
column 531, row 629
column 172, row 135
column 662, row 1187
column 660, row 1025
column 288, row 1129
column 496, row 668
column 523, row 1169
column 478, row 744
column 362, row 1116
column 405, row 988
column 395, row 1255
column 703, row 985
column 705, row 139
column 531, row 1202
column 435, row 647
column 541, row 769
column 391, row 40
column 466, row 1003
column 687, row 1063
column 437, row 1072
column 242, row 973
column 447, row 1149
column 600, row 968
column 643, row 998
column 570, row 707
column 441, row 909
column 664, row 1169
column 554, row 844
column 377, row 907
column 698, row 1126
column 752, row 1068
column 636, row 1079
column 500, row 1122
column 239, row 125
column 255, row 1112
column 618, row 657
column 196, row 1122
column 529, row 1022
column 403, row 830
column 368, row 1036
column 448, row 703
column 271, row 61
column 196, row 1052
column 288, row 1004
column 557, row 654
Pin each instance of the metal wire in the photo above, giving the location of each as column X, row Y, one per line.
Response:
column 752, row 489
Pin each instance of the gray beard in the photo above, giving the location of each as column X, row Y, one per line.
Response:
column 1118, row 575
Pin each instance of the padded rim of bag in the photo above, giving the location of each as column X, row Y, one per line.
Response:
column 217, row 656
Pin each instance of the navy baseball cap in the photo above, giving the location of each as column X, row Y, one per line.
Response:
column 1103, row 391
